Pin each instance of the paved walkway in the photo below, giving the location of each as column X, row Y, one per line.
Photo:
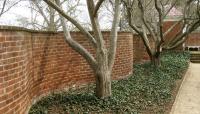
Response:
column 188, row 98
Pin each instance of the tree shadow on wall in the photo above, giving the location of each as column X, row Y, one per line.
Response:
column 49, row 65
column 41, row 65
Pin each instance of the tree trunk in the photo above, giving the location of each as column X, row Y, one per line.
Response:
column 103, row 76
column 155, row 60
column 103, row 84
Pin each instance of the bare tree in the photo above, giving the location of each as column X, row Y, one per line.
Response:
column 191, row 21
column 102, row 64
column 150, row 20
column 44, row 17
column 6, row 5
column 108, row 9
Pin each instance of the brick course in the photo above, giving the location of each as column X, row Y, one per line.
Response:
column 33, row 64
column 193, row 40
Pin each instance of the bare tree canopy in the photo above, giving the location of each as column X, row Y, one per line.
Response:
column 6, row 5
column 43, row 17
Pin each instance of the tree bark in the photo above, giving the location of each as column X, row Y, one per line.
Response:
column 103, row 75
column 52, row 25
column 155, row 59
column 103, row 84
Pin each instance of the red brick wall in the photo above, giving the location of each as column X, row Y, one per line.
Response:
column 33, row 64
column 193, row 40
column 139, row 50
column 173, row 32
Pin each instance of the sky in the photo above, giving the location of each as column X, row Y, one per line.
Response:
column 9, row 18
column 21, row 10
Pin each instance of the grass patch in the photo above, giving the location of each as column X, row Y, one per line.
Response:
column 147, row 90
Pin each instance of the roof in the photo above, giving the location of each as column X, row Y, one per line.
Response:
column 174, row 13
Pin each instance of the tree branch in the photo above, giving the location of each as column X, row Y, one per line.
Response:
column 41, row 11
column 166, row 13
column 140, row 6
column 95, row 25
column 3, row 7
column 181, row 37
column 98, row 5
column 5, row 10
column 172, row 27
column 75, row 45
column 129, row 16
column 113, row 35
column 82, row 30
column 160, row 24
column 146, row 41
column 142, row 33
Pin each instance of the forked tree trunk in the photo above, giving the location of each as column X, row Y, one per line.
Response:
column 103, row 76
column 102, row 65
column 154, row 57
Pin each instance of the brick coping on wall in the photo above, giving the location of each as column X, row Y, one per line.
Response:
column 16, row 28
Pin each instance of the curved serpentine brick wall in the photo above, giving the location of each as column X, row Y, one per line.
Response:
column 33, row 64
